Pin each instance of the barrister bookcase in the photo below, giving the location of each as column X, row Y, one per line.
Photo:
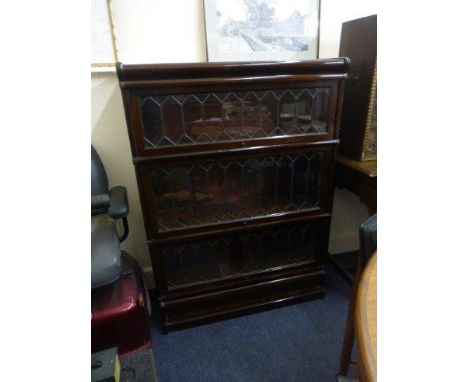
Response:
column 234, row 163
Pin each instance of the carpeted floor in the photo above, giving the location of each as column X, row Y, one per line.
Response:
column 296, row 343
column 138, row 367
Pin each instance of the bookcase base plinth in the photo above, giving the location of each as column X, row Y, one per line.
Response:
column 182, row 313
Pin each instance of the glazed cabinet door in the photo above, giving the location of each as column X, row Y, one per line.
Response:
column 188, row 265
column 186, row 195
column 167, row 122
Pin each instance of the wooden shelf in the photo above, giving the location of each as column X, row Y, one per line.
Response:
column 368, row 168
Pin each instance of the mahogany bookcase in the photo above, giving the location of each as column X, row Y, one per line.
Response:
column 234, row 163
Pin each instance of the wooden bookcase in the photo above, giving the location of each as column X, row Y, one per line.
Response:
column 234, row 163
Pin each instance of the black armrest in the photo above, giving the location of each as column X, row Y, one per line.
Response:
column 368, row 238
column 118, row 202
column 99, row 204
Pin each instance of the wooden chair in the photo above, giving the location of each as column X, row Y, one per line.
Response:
column 367, row 246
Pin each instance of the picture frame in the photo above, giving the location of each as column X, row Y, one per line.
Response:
column 104, row 53
column 262, row 30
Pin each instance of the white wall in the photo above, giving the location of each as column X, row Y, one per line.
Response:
column 175, row 30
column 333, row 14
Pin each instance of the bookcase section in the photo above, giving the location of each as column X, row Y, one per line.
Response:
column 223, row 191
column 184, row 119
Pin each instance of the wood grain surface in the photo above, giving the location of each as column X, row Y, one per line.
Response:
column 366, row 321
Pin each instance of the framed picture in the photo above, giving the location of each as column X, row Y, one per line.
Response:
column 103, row 44
column 259, row 30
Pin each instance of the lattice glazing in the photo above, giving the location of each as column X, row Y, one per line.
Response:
column 228, row 116
column 232, row 256
column 214, row 192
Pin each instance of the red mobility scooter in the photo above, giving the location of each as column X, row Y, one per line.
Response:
column 119, row 299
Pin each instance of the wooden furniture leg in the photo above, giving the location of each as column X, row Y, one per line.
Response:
column 348, row 341
column 367, row 245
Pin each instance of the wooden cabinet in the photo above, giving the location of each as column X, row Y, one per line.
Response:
column 358, row 133
column 234, row 163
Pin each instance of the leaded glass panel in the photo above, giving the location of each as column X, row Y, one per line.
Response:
column 231, row 256
column 214, row 192
column 173, row 120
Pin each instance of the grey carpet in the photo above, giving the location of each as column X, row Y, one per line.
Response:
column 297, row 343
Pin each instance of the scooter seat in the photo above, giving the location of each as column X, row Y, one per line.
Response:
column 105, row 256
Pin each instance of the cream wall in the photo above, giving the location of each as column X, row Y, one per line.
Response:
column 175, row 30
column 110, row 138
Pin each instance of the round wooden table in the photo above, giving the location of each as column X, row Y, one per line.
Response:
column 366, row 321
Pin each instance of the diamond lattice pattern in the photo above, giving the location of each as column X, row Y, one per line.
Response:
column 214, row 192
column 228, row 116
column 231, row 256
